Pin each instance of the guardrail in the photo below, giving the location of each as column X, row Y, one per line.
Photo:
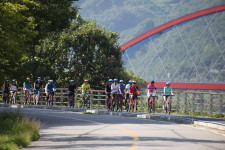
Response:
column 188, row 103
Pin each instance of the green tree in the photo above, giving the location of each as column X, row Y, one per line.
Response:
column 23, row 25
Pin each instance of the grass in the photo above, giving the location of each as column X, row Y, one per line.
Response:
column 17, row 131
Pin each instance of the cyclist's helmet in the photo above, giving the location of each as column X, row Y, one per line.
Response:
column 121, row 81
column 152, row 82
column 39, row 77
column 167, row 83
column 134, row 82
column 7, row 80
column 86, row 80
column 13, row 80
column 71, row 81
column 51, row 81
column 115, row 80
column 27, row 78
column 110, row 80
column 130, row 81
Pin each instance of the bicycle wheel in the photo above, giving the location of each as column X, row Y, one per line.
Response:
column 87, row 102
column 166, row 107
column 169, row 108
column 153, row 109
column 135, row 105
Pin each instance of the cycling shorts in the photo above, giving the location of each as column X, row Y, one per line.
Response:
column 29, row 91
column 36, row 91
column 127, row 95
column 151, row 94
column 135, row 96
column 12, row 92
column 84, row 92
column 167, row 96
column 71, row 94
column 6, row 91
column 108, row 94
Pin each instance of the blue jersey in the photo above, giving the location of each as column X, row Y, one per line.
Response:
column 122, row 88
column 167, row 91
column 27, row 85
column 50, row 87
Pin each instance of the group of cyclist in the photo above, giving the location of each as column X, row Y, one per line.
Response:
column 117, row 88
column 113, row 88
column 28, row 87
column 131, row 91
column 36, row 88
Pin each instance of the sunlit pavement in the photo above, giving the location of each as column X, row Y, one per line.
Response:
column 72, row 130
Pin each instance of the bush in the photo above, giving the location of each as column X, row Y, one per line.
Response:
column 17, row 131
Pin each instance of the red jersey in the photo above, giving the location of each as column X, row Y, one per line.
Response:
column 134, row 90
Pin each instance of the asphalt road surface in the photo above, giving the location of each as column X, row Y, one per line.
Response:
column 70, row 130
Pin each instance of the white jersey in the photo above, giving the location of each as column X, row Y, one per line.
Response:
column 115, row 88
column 14, row 88
column 128, row 86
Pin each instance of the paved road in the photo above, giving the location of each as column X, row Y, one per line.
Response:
column 70, row 130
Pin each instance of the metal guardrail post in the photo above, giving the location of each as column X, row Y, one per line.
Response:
column 193, row 103
column 221, row 106
column 75, row 99
column 178, row 101
column 91, row 100
column 211, row 105
column 61, row 97
column 105, row 101
column 22, row 97
column 202, row 106
column 41, row 98
column 98, row 99
column 185, row 103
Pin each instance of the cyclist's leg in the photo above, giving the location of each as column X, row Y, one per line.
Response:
column 164, row 101
column 34, row 96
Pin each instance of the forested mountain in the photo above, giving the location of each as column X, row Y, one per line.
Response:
column 193, row 51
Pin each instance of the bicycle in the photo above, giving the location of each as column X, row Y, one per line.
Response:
column 168, row 104
column 120, row 102
column 37, row 97
column 71, row 102
column 50, row 99
column 27, row 98
column 115, row 103
column 109, row 101
column 13, row 98
column 86, row 100
column 133, row 105
column 6, row 98
column 151, row 104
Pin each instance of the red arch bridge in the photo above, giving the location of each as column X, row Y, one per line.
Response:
column 171, row 26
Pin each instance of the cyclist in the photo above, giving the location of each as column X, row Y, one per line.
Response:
column 134, row 91
column 38, row 86
column 115, row 89
column 127, row 90
column 85, row 86
column 50, row 90
column 6, row 88
column 167, row 93
column 27, row 87
column 71, row 89
column 46, row 93
column 152, row 90
column 108, row 90
column 13, row 89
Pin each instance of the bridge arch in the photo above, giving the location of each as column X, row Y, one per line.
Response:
column 159, row 29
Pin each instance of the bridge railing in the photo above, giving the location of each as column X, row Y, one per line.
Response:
column 188, row 103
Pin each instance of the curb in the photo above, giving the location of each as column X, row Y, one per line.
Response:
column 176, row 119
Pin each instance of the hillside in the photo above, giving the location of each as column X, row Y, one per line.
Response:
column 175, row 55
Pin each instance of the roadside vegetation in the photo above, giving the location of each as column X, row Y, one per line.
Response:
column 17, row 131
